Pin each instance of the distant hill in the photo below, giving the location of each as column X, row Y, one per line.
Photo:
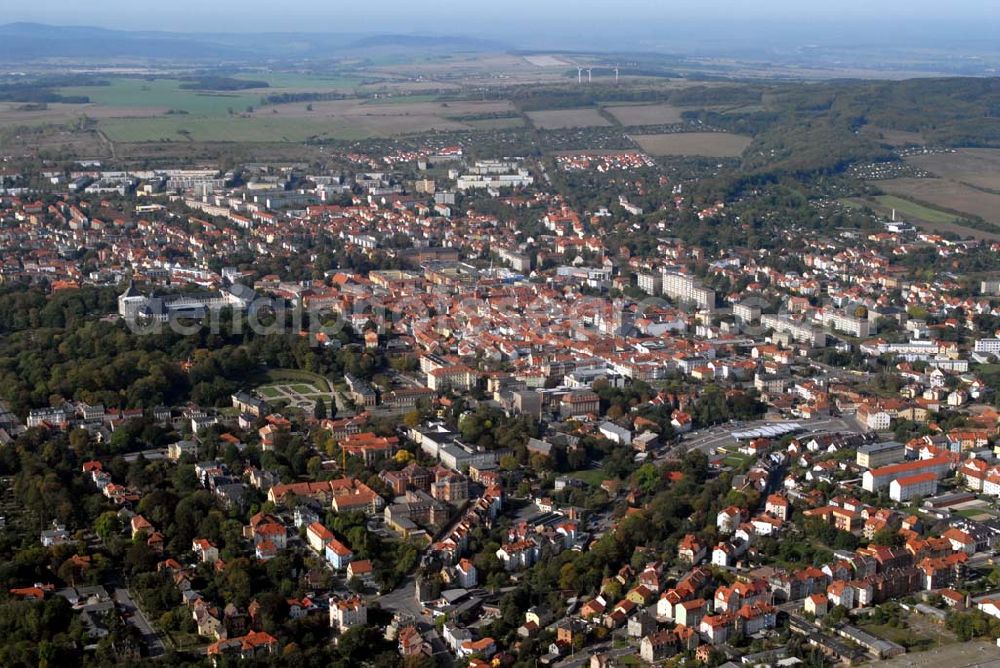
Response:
column 25, row 42
column 425, row 42
column 21, row 42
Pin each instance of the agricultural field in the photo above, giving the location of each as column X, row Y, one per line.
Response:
column 558, row 119
column 17, row 114
column 924, row 217
column 304, row 81
column 907, row 209
column 132, row 110
column 504, row 123
column 543, row 60
column 707, row 144
column 977, row 167
column 645, row 114
column 946, row 194
column 337, row 119
column 412, row 105
column 471, row 69
column 165, row 94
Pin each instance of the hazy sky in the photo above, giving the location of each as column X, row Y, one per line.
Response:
column 890, row 17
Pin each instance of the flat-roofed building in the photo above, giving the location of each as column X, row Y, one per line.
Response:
column 875, row 455
column 685, row 289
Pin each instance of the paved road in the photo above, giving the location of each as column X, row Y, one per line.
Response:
column 582, row 658
column 403, row 599
column 124, row 599
column 840, row 373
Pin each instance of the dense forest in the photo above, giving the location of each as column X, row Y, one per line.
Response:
column 56, row 350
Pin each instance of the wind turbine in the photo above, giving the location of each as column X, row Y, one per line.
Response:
column 589, row 75
column 616, row 72
column 579, row 74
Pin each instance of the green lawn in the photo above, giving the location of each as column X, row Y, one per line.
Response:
column 905, row 636
column 973, row 513
column 733, row 457
column 292, row 377
column 914, row 210
column 735, row 460
column 593, row 477
column 268, row 392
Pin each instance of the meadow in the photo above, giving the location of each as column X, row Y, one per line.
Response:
column 922, row 216
column 907, row 209
column 977, row 167
column 645, row 114
column 948, row 195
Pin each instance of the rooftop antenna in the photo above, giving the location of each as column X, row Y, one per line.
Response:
column 579, row 74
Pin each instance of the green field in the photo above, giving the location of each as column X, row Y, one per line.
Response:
column 303, row 80
column 593, row 477
column 143, row 93
column 914, row 210
column 735, row 460
column 136, row 110
column 211, row 115
column 268, row 392
column 983, row 513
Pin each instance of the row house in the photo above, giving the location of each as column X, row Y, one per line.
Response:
column 747, row 620
column 665, row 644
column 518, row 555
column 346, row 613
